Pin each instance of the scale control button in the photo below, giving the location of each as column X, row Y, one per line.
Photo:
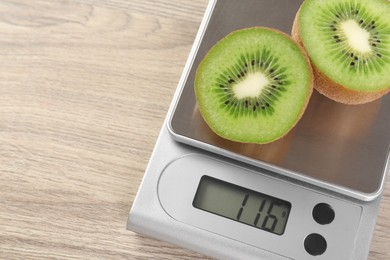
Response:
column 315, row 244
column 323, row 214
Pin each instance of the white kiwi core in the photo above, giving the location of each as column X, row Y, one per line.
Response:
column 358, row 38
column 251, row 86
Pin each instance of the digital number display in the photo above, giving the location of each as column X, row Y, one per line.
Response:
column 243, row 205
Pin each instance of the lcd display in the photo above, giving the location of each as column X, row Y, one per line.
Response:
column 243, row 205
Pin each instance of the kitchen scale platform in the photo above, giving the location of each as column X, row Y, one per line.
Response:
column 314, row 194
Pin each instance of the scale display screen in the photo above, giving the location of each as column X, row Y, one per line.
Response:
column 243, row 205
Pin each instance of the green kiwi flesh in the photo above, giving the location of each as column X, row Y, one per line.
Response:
column 348, row 41
column 253, row 85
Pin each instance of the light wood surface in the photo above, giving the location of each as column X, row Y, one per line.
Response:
column 84, row 89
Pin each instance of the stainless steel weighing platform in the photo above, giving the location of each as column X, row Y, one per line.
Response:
column 337, row 154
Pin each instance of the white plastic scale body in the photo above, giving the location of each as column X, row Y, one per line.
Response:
column 314, row 194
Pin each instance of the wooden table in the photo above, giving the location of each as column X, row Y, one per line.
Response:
column 85, row 86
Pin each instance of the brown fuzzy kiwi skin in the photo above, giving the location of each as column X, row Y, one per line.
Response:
column 332, row 89
column 310, row 86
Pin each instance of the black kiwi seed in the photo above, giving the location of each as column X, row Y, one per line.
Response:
column 336, row 37
column 338, row 40
column 231, row 80
column 379, row 55
column 361, row 21
column 253, row 62
column 374, row 45
column 352, row 63
column 226, row 102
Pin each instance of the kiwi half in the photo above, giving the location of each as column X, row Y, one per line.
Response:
column 348, row 42
column 253, row 85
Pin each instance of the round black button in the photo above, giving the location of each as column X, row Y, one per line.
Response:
column 323, row 214
column 315, row 244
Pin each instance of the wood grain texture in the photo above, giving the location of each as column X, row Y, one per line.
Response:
column 84, row 89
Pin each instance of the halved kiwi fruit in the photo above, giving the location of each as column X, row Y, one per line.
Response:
column 253, row 85
column 348, row 42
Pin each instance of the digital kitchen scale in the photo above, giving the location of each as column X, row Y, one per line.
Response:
column 314, row 194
